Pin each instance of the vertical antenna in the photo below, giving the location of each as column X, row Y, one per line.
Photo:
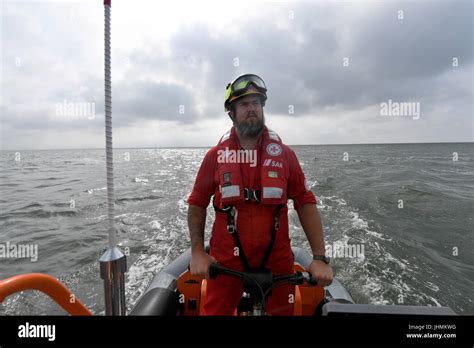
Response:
column 113, row 263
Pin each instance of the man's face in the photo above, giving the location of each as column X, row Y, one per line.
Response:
column 248, row 117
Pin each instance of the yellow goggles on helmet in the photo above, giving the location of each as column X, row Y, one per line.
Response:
column 242, row 86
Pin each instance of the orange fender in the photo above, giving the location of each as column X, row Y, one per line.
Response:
column 44, row 283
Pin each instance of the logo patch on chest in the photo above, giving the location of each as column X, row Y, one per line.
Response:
column 274, row 149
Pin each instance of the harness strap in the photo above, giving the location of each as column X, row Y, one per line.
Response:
column 232, row 229
column 276, row 226
column 232, row 213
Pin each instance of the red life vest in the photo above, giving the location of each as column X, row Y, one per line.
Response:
column 273, row 170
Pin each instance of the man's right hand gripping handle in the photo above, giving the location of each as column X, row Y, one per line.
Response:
column 200, row 260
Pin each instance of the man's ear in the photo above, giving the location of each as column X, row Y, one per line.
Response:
column 231, row 115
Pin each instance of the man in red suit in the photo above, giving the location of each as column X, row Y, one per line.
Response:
column 251, row 174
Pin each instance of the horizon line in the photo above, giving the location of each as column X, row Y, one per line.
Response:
column 210, row 146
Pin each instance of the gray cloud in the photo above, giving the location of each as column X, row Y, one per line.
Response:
column 150, row 100
column 389, row 58
column 300, row 58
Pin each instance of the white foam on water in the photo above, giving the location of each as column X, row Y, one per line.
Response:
column 330, row 203
column 380, row 277
column 153, row 255
column 359, row 223
column 90, row 160
column 432, row 286
column 183, row 205
column 155, row 224
column 388, row 274
column 374, row 289
column 320, row 204
column 290, row 205
column 435, row 301
column 164, row 172
column 137, row 179
column 140, row 275
column 336, row 199
column 311, row 183
column 390, row 258
column 91, row 191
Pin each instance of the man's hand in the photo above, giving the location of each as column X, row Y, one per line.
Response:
column 200, row 262
column 321, row 272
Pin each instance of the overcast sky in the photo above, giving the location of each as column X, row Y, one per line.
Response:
column 329, row 69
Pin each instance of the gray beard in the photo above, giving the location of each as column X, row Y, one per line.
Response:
column 250, row 130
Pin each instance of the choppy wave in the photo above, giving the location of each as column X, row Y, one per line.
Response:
column 37, row 213
column 140, row 180
column 407, row 252
column 90, row 191
column 137, row 199
column 378, row 277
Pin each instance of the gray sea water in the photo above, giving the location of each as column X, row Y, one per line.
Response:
column 418, row 254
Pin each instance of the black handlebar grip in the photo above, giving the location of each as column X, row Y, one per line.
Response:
column 213, row 270
column 312, row 281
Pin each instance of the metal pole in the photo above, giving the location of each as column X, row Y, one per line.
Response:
column 113, row 263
